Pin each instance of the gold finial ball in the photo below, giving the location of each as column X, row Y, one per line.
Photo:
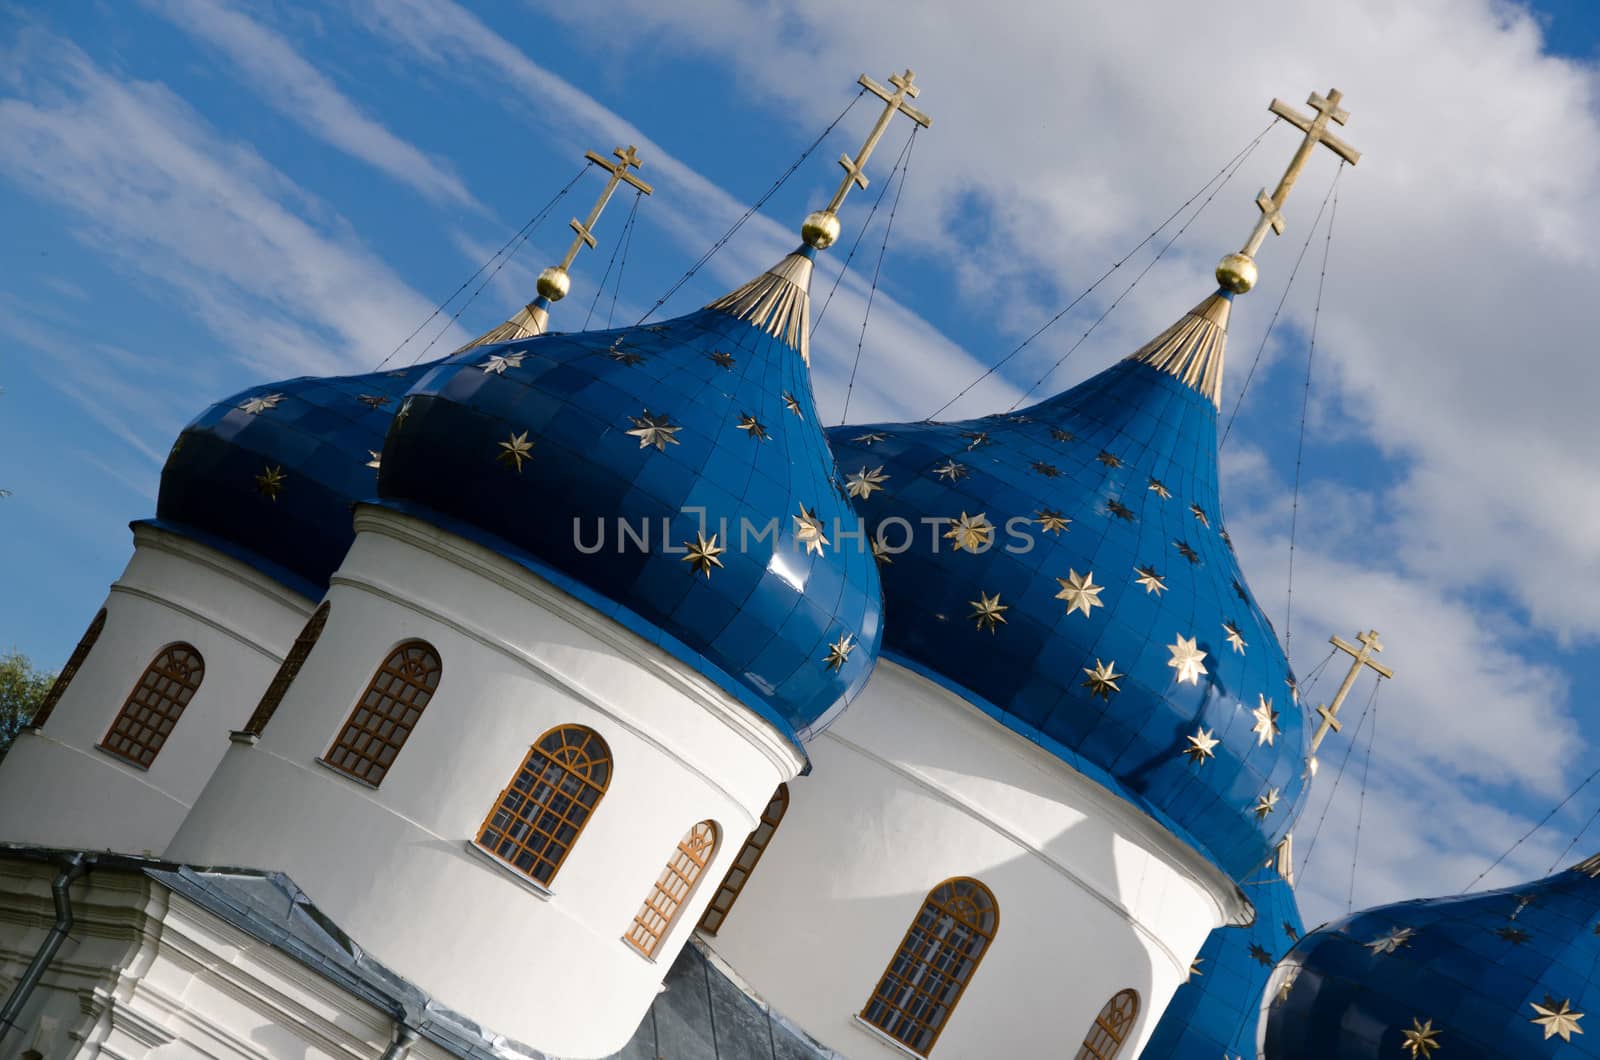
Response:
column 554, row 283
column 820, row 229
column 1236, row 273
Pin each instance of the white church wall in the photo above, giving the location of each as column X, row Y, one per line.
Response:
column 394, row 865
column 59, row 788
column 910, row 787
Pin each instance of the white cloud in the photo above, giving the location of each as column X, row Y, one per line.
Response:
column 154, row 187
column 287, row 82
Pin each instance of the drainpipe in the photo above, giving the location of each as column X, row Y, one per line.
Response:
column 405, row 1036
column 71, row 869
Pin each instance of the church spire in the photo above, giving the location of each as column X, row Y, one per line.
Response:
column 1195, row 347
column 554, row 282
column 779, row 300
column 1237, row 272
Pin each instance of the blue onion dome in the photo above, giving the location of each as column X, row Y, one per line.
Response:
column 1081, row 589
column 268, row 475
column 675, row 476
column 1509, row 973
column 1215, row 1012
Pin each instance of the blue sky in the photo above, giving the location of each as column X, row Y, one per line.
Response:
column 200, row 196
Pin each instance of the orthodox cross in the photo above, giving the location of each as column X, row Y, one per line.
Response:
column 1237, row 272
column 822, row 228
column 1362, row 657
column 619, row 171
column 1316, row 130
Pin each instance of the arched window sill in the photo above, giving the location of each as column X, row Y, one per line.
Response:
column 124, row 759
column 898, row 1046
column 637, row 952
column 521, row 878
column 325, row 764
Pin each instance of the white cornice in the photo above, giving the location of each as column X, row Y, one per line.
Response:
column 158, row 539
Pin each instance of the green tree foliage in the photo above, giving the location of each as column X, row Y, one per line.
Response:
column 22, row 689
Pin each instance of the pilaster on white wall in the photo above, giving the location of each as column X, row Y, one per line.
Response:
column 393, row 865
column 59, row 788
column 911, row 787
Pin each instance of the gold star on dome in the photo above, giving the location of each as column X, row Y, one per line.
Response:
column 1118, row 509
column 970, row 532
column 1396, row 938
column 863, row 482
column 1186, row 552
column 839, row 652
column 870, row 438
column 702, row 553
column 1266, row 726
column 1062, row 436
column 1108, row 460
column 499, row 362
column 792, row 405
column 1287, row 984
column 1266, row 804
column 1200, row 514
column 374, row 401
column 722, row 359
column 1080, row 592
column 1052, row 521
column 1421, row 1039
column 880, row 551
column 514, row 450
column 986, row 611
column 1234, row 637
column 261, row 403
column 1515, row 936
column 654, row 430
column 1160, row 490
column 1261, row 956
column 1557, row 1017
column 1194, row 969
column 1047, row 470
column 270, row 482
column 808, row 530
column 1201, row 745
column 1187, row 659
column 975, row 439
column 1288, row 929
column 757, row 429
column 624, row 355
column 1102, row 679
column 376, row 458
column 951, row 471
column 1152, row 582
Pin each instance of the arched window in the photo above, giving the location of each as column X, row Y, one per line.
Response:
column 155, row 705
column 913, row 1001
column 1112, row 1027
column 64, row 678
column 288, row 670
column 745, row 863
column 672, row 888
column 544, row 809
column 386, row 713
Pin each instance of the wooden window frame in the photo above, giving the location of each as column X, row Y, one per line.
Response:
column 1113, row 1026
column 673, row 888
column 157, row 703
column 69, row 671
column 288, row 670
column 368, row 734
column 570, row 767
column 738, row 874
column 917, row 956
